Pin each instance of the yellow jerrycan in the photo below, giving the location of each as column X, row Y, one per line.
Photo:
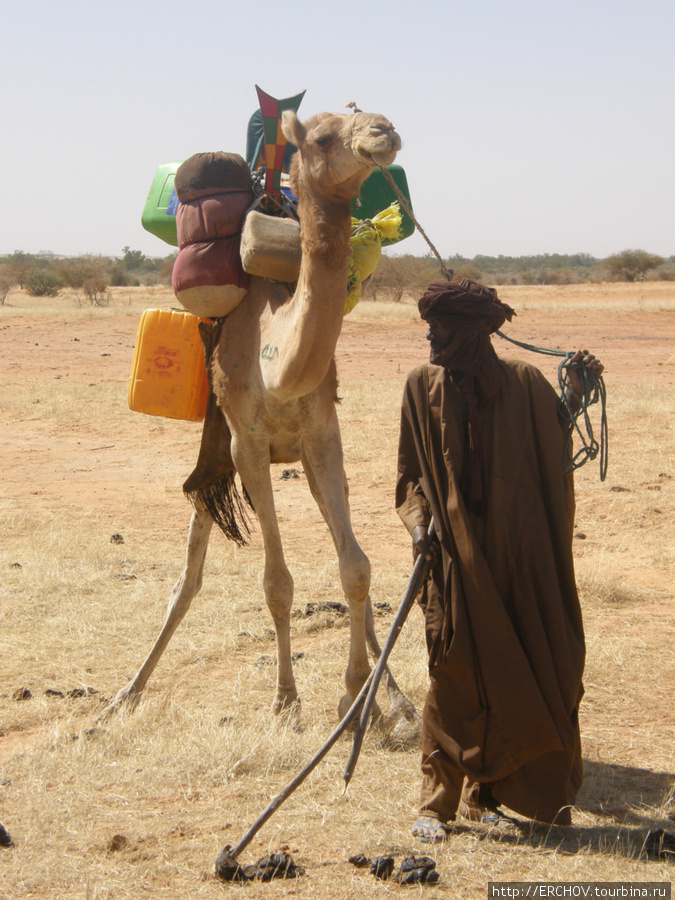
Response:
column 168, row 376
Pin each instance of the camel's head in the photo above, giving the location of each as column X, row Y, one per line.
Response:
column 337, row 152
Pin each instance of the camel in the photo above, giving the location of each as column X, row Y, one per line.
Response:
column 273, row 378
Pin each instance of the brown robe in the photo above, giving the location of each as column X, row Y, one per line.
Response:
column 503, row 621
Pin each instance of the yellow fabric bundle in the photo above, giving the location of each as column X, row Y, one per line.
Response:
column 365, row 245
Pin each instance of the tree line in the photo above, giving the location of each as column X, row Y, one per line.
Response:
column 44, row 274
column 396, row 276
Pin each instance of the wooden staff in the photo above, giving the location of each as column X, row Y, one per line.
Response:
column 415, row 582
column 367, row 694
column 276, row 802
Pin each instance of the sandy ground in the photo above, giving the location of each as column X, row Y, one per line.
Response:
column 52, row 462
column 637, row 349
column 69, row 443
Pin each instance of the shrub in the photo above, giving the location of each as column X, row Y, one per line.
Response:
column 6, row 282
column 42, row 283
column 96, row 291
column 632, row 265
column 5, row 285
column 467, row 270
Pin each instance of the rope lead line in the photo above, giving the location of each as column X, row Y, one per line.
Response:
column 592, row 384
column 404, row 203
column 592, row 391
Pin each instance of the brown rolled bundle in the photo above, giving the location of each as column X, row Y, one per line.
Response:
column 214, row 190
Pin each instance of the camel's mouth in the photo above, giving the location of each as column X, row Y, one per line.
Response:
column 378, row 144
column 384, row 158
column 377, row 157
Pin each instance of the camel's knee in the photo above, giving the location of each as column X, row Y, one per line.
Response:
column 279, row 593
column 355, row 575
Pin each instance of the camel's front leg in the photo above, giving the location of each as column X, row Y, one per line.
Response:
column 323, row 464
column 185, row 589
column 252, row 461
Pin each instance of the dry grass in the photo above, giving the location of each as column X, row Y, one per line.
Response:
column 73, row 305
column 649, row 295
column 194, row 765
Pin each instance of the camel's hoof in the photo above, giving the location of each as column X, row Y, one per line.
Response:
column 106, row 715
column 345, row 705
column 401, row 729
column 288, row 713
column 122, row 700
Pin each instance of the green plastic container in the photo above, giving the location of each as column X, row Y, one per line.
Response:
column 377, row 194
column 154, row 217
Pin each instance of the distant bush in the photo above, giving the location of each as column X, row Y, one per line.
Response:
column 666, row 272
column 467, row 270
column 96, row 291
column 42, row 283
column 398, row 275
column 89, row 275
column 632, row 265
column 7, row 281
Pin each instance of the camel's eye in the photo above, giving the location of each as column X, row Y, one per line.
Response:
column 325, row 139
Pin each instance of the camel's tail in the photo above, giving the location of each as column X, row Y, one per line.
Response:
column 225, row 505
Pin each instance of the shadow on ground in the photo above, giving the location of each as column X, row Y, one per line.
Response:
column 635, row 803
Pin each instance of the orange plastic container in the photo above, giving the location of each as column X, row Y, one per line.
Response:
column 168, row 376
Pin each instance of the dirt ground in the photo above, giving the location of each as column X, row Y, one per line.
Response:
column 65, row 454
column 52, row 461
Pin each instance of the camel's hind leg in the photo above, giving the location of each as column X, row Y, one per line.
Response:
column 185, row 589
column 323, row 464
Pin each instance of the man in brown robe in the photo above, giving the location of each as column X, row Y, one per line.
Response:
column 482, row 450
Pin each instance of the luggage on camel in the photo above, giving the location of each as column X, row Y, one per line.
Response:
column 214, row 191
column 234, row 218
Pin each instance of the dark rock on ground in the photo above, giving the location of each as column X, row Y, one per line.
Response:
column 116, row 843
column 227, row 867
column 21, row 693
column 417, row 870
column 273, row 865
column 333, row 606
column 382, row 867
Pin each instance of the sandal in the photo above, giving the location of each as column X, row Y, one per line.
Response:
column 429, row 830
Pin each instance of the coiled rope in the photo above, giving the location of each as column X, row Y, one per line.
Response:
column 572, row 407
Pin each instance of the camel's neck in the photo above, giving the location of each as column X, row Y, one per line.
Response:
column 324, row 233
column 309, row 327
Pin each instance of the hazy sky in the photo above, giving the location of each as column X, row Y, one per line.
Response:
column 528, row 126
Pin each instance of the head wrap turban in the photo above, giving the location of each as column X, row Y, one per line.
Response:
column 475, row 312
column 467, row 303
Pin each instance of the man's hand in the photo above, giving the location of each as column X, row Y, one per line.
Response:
column 422, row 544
column 587, row 359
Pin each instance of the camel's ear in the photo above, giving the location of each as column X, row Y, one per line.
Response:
column 292, row 127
